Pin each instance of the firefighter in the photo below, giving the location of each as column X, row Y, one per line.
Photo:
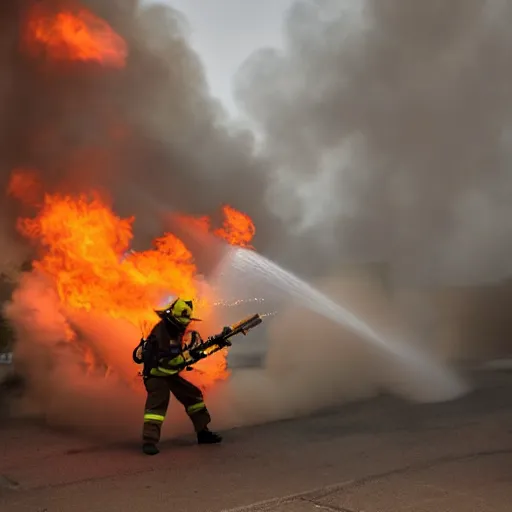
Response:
column 162, row 379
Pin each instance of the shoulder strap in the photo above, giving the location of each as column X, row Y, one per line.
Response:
column 135, row 350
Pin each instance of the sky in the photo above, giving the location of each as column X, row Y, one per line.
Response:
column 226, row 32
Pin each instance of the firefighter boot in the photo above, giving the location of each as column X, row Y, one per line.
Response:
column 150, row 449
column 206, row 436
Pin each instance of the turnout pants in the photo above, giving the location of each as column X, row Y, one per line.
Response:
column 159, row 390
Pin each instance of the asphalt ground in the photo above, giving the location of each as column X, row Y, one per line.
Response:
column 381, row 455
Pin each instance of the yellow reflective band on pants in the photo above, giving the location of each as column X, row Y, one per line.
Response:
column 154, row 417
column 191, row 409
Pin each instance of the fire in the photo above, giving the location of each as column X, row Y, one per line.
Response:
column 72, row 34
column 85, row 249
column 238, row 228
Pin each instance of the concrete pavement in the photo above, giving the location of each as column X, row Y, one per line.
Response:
column 380, row 456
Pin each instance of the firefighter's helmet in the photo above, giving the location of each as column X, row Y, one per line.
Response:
column 180, row 311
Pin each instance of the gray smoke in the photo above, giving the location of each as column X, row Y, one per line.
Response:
column 389, row 123
column 385, row 132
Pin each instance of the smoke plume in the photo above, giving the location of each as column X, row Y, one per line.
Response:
column 389, row 123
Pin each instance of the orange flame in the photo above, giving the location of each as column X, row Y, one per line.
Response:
column 238, row 228
column 85, row 250
column 72, row 34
